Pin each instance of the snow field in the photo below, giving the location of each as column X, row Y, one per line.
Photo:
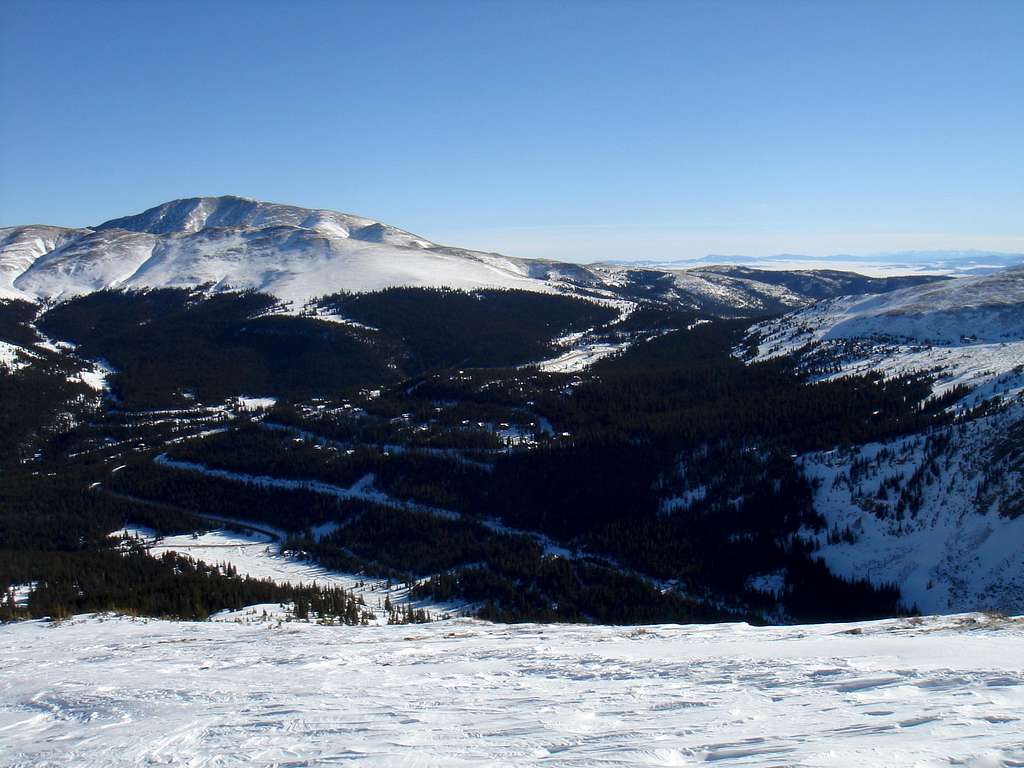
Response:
column 259, row 555
column 105, row 691
column 581, row 357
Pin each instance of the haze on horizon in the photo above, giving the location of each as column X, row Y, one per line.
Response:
column 587, row 131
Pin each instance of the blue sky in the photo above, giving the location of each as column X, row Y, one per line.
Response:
column 577, row 130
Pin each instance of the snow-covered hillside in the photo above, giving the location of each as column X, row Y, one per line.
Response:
column 971, row 328
column 293, row 253
column 12, row 357
column 20, row 247
column 298, row 254
column 102, row 691
column 938, row 514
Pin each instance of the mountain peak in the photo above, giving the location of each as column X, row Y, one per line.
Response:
column 237, row 242
column 191, row 214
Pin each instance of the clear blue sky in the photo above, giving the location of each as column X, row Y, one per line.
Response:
column 574, row 129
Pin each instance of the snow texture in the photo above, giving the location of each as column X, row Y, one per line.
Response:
column 104, row 691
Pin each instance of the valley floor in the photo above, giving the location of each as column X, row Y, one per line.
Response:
column 259, row 555
column 107, row 691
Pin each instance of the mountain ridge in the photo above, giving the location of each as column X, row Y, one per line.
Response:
column 233, row 242
column 299, row 254
column 953, row 260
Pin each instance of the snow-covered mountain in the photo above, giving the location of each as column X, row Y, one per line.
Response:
column 938, row 513
column 231, row 242
column 931, row 512
column 21, row 247
column 298, row 254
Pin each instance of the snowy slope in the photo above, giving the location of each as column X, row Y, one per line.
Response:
column 938, row 514
column 92, row 262
column 101, row 691
column 971, row 328
column 259, row 556
column 13, row 357
column 293, row 253
column 20, row 247
column 947, row 526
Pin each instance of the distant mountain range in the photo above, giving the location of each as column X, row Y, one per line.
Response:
column 299, row 254
column 938, row 262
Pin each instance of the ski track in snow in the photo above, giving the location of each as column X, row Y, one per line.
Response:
column 362, row 489
column 103, row 691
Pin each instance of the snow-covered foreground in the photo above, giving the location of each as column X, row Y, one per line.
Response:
column 99, row 691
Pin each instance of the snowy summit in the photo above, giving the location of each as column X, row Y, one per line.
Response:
column 234, row 242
